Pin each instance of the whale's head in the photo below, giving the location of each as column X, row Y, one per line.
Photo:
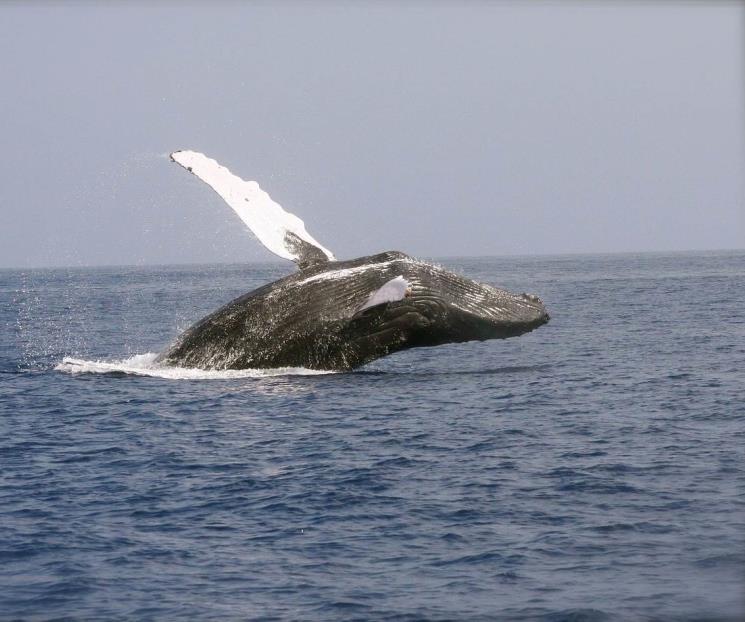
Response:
column 427, row 305
column 456, row 308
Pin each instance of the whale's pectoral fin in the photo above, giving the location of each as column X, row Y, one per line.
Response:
column 281, row 232
column 391, row 291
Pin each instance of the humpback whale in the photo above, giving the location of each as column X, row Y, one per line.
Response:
column 337, row 315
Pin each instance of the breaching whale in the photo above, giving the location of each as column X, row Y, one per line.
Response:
column 337, row 315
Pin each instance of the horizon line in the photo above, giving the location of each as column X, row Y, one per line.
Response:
column 280, row 261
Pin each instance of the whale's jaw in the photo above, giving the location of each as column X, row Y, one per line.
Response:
column 445, row 307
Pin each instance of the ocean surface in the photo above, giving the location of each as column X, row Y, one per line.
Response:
column 593, row 469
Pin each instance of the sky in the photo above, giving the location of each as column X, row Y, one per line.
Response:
column 438, row 129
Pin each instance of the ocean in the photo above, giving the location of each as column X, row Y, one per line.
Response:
column 590, row 470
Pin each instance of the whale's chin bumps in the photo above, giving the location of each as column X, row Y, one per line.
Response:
column 337, row 315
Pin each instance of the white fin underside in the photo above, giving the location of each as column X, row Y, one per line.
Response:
column 281, row 232
column 393, row 290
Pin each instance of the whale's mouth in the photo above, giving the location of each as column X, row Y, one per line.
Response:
column 512, row 314
column 482, row 326
column 478, row 310
column 428, row 318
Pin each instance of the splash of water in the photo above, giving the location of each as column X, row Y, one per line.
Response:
column 145, row 365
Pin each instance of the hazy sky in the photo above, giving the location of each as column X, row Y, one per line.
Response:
column 433, row 128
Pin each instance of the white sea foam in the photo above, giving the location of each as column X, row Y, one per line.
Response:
column 145, row 365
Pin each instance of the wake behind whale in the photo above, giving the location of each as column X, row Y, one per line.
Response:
column 336, row 315
column 147, row 365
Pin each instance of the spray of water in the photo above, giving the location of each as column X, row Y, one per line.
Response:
column 145, row 365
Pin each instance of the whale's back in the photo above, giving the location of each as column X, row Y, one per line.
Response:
column 298, row 320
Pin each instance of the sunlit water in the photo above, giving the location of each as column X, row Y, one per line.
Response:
column 591, row 470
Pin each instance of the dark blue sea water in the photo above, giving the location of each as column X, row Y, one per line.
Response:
column 591, row 470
